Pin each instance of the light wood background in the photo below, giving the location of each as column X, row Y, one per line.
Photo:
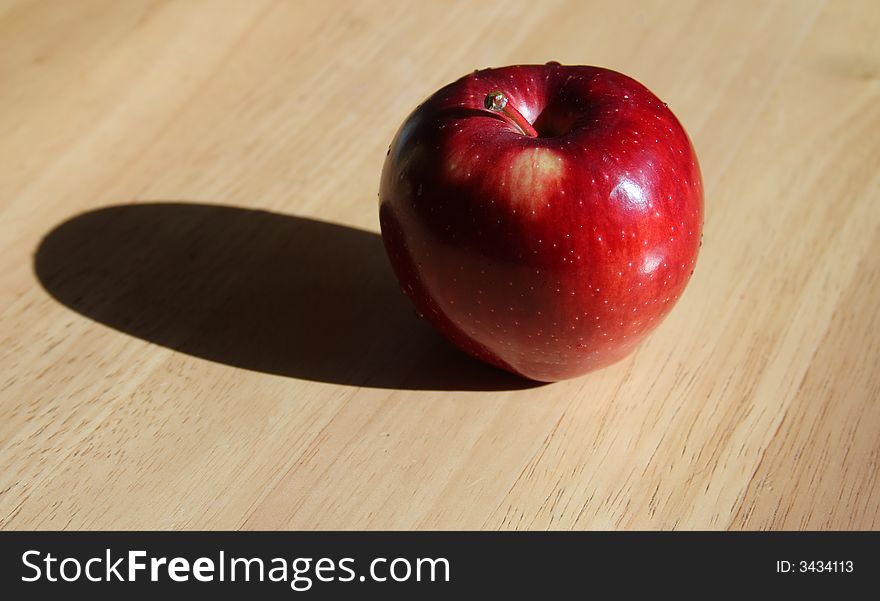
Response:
column 170, row 363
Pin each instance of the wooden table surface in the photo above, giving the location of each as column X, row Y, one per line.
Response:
column 200, row 329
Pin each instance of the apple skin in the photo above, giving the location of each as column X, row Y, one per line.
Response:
column 547, row 256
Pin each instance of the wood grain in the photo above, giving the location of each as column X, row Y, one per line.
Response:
column 199, row 328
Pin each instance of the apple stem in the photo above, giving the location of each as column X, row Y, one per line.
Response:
column 497, row 102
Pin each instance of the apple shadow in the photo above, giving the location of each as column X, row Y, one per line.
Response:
column 272, row 293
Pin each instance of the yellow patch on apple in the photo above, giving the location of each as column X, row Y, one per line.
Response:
column 532, row 173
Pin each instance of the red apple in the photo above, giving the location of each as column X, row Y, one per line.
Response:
column 544, row 218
